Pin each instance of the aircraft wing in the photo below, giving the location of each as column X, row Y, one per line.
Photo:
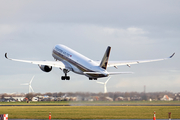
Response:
column 58, row 64
column 128, row 63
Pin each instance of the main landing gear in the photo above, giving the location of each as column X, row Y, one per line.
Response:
column 92, row 78
column 65, row 77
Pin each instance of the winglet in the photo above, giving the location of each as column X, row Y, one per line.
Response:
column 6, row 55
column 172, row 55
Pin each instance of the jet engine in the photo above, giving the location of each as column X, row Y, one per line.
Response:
column 45, row 68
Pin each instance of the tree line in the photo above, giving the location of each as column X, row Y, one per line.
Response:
column 113, row 95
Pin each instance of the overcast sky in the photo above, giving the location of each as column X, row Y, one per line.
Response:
column 135, row 29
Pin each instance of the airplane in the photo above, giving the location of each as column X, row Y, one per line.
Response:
column 68, row 60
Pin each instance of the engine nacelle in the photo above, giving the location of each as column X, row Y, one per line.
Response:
column 45, row 68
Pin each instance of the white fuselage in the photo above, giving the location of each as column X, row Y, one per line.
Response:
column 76, row 62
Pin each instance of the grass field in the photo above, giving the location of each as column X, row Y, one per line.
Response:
column 94, row 102
column 78, row 111
column 90, row 112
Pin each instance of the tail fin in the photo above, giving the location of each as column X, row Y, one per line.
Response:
column 105, row 59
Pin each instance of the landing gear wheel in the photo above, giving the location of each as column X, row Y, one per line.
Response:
column 65, row 78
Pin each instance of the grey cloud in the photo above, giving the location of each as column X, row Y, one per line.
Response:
column 115, row 13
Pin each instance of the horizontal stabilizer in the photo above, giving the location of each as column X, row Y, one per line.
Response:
column 115, row 73
column 109, row 73
column 92, row 73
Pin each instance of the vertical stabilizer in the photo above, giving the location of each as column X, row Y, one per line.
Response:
column 105, row 59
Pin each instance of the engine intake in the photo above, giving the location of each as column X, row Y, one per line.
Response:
column 45, row 68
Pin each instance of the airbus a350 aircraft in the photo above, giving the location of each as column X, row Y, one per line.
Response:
column 70, row 60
